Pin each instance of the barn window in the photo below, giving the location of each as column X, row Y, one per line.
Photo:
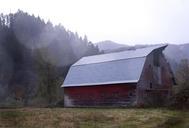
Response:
column 150, row 85
column 156, row 58
column 174, row 81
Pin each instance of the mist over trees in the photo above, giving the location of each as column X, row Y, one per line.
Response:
column 35, row 56
column 180, row 98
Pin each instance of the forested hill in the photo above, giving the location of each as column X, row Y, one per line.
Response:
column 34, row 58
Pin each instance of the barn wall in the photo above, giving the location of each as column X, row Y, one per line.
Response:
column 156, row 80
column 100, row 95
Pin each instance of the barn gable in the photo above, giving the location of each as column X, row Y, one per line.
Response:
column 120, row 67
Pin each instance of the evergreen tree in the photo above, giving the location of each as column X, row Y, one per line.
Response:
column 181, row 91
column 35, row 56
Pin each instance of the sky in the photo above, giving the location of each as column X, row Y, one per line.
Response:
column 122, row 21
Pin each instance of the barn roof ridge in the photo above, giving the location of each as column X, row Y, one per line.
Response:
column 110, row 61
column 127, row 54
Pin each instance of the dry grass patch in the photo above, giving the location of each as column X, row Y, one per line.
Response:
column 93, row 118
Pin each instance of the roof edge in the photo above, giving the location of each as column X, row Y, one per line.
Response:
column 98, row 84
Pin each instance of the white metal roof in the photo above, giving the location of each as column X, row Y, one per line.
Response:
column 142, row 52
column 121, row 67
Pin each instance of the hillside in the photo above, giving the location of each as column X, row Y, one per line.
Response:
column 177, row 52
column 109, row 45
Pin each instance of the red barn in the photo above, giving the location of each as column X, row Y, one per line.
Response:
column 126, row 78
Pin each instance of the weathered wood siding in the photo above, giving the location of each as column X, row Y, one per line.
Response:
column 100, row 95
column 155, row 79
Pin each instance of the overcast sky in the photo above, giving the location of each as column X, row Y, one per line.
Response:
column 122, row 21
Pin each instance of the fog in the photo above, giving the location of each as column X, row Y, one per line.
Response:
column 128, row 22
column 34, row 55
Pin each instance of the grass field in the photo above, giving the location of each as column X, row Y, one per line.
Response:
column 93, row 118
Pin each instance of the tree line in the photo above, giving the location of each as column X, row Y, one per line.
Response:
column 34, row 58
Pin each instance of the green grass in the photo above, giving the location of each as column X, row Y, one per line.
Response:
column 93, row 118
